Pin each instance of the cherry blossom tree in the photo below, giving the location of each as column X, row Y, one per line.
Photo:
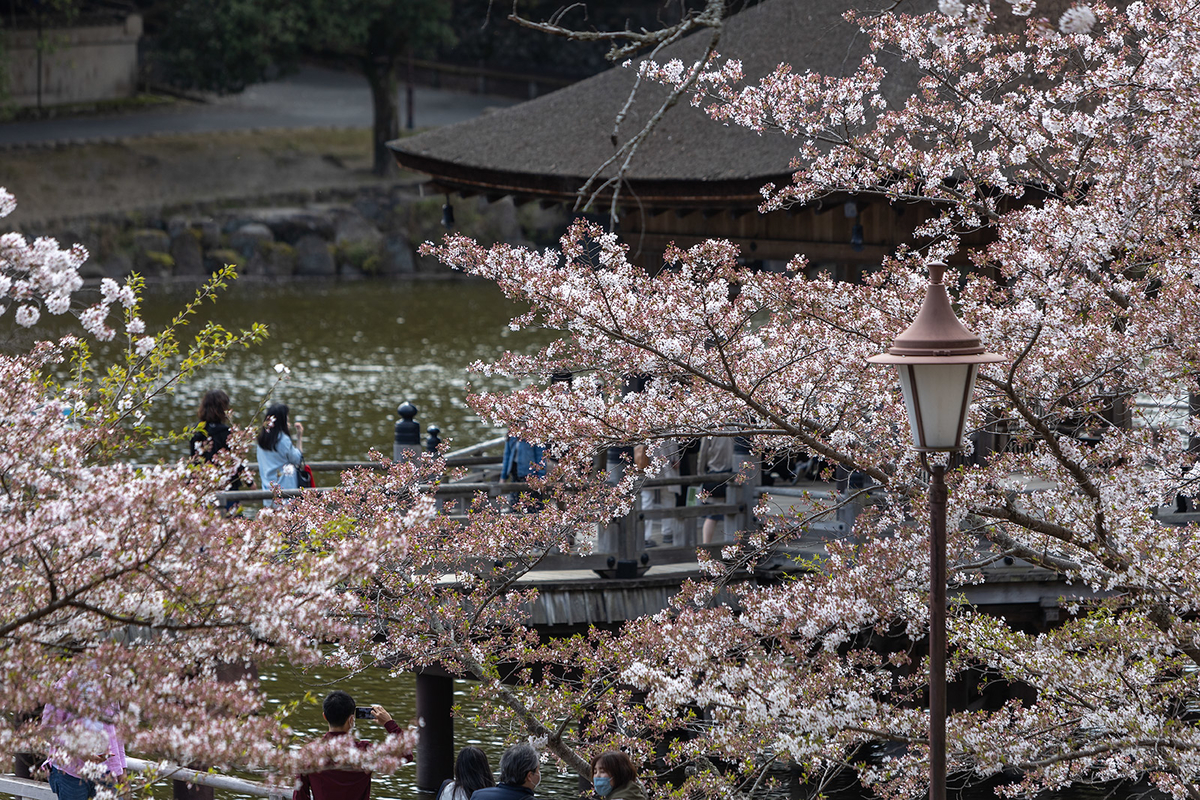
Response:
column 125, row 594
column 1072, row 141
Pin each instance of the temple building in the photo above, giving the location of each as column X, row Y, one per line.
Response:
column 693, row 178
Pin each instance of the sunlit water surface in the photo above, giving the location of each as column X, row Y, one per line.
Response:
column 355, row 351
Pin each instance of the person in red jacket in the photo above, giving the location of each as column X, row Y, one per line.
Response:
column 337, row 783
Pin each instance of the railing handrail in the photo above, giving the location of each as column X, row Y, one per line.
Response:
column 26, row 788
column 454, row 489
column 165, row 770
column 471, row 450
column 162, row 770
column 342, row 466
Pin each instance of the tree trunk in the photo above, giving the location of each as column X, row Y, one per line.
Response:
column 381, row 75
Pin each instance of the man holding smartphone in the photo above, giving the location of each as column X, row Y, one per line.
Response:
column 336, row 783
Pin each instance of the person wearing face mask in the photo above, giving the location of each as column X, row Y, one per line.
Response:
column 614, row 777
column 520, row 773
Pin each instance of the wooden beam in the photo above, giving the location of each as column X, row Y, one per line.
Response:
column 776, row 249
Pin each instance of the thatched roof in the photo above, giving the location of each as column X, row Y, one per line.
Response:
column 547, row 147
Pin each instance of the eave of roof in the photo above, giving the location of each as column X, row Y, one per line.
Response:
column 548, row 147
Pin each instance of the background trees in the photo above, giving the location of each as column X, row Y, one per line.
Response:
column 223, row 46
column 375, row 37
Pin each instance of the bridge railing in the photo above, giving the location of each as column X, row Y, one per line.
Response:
column 40, row 790
column 623, row 547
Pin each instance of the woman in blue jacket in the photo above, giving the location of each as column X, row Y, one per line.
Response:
column 278, row 459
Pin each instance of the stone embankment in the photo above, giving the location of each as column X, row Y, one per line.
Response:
column 346, row 234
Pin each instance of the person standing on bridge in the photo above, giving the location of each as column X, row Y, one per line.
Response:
column 73, row 777
column 520, row 773
column 278, row 459
column 212, row 434
column 339, row 783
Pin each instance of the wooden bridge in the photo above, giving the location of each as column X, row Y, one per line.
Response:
column 625, row 577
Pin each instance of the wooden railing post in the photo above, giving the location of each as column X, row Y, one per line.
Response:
column 631, row 541
column 621, row 538
column 226, row 673
column 608, row 535
column 743, row 490
column 182, row 790
column 435, row 743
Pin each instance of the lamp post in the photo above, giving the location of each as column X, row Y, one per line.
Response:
column 937, row 359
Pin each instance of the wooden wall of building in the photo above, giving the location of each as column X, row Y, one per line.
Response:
column 823, row 233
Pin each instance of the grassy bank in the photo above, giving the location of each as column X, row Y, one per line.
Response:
column 162, row 171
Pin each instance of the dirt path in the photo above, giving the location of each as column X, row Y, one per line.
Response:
column 163, row 171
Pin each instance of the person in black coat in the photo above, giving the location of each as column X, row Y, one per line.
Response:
column 520, row 773
column 212, row 434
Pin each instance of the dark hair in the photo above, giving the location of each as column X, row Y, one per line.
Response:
column 516, row 763
column 472, row 770
column 618, row 766
column 214, row 408
column 338, row 707
column 274, row 423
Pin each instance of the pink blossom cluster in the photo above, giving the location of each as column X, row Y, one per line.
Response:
column 1073, row 147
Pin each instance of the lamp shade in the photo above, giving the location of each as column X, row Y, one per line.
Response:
column 937, row 359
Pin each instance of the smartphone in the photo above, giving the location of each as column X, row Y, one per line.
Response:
column 364, row 712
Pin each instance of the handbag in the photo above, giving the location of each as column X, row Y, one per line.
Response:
column 304, row 477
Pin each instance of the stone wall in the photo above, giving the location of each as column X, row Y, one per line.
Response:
column 79, row 65
column 346, row 235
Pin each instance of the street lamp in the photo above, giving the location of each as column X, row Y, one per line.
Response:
column 937, row 360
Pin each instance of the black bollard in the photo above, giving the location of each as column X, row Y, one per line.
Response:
column 433, row 440
column 435, row 742
column 408, row 432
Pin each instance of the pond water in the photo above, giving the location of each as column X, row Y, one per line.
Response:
column 355, row 351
